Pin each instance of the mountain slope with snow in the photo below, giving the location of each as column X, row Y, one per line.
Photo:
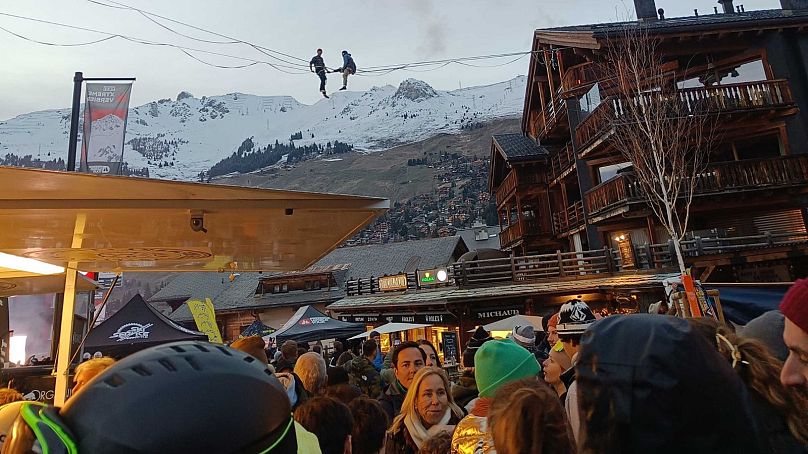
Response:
column 179, row 139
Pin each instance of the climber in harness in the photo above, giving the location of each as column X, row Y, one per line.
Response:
column 317, row 65
column 348, row 68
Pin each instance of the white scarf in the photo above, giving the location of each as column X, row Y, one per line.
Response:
column 416, row 429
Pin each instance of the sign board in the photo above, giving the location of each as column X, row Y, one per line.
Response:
column 106, row 108
column 626, row 249
column 484, row 313
column 427, row 318
column 450, row 349
column 432, row 277
column 360, row 318
column 393, row 283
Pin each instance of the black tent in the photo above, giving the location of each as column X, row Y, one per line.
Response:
column 257, row 328
column 134, row 327
column 309, row 324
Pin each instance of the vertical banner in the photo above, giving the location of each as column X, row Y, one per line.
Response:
column 205, row 318
column 106, row 108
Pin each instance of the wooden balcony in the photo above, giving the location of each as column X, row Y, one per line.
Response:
column 722, row 177
column 534, row 267
column 550, row 115
column 716, row 99
column 579, row 79
column 562, row 163
column 569, row 220
column 519, row 230
column 508, row 187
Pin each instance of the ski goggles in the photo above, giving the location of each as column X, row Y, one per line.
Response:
column 38, row 429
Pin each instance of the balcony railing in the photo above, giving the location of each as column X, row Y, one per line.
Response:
column 569, row 219
column 714, row 99
column 721, row 177
column 534, row 267
column 561, row 162
column 550, row 114
column 600, row 262
column 519, row 230
column 508, row 186
column 580, row 78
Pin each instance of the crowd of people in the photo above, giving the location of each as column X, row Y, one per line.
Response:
column 623, row 384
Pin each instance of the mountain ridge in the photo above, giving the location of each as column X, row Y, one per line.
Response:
column 178, row 139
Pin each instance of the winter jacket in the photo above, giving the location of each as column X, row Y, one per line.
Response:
column 318, row 63
column 466, row 390
column 471, row 436
column 655, row 385
column 348, row 63
column 391, row 401
column 378, row 360
column 362, row 374
column 400, row 442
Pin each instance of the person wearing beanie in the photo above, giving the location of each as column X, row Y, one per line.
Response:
column 497, row 363
column 525, row 336
column 768, row 329
column 552, row 330
column 465, row 391
column 795, row 335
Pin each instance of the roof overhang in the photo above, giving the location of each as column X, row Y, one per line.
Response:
column 110, row 223
column 35, row 285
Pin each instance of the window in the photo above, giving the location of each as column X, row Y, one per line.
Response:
column 608, row 172
column 591, row 99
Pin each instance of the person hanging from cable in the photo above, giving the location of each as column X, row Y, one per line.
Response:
column 348, row 68
column 317, row 65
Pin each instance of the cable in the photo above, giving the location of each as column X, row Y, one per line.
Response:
column 184, row 49
column 264, row 50
column 44, row 43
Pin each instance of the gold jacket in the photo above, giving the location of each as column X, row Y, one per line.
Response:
column 471, row 436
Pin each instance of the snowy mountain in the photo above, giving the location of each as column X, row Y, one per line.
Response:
column 178, row 139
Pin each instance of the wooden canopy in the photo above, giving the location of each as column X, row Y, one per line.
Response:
column 109, row 223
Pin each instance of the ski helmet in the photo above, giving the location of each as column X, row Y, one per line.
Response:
column 185, row 396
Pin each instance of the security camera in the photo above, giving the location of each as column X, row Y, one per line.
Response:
column 198, row 223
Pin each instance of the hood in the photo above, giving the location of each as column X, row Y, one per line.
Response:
column 653, row 385
column 288, row 382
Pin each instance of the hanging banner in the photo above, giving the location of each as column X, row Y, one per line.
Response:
column 5, row 335
column 106, row 108
column 205, row 318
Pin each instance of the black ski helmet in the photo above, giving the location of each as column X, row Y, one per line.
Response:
column 186, row 396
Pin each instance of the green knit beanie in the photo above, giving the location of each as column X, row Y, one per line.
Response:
column 499, row 362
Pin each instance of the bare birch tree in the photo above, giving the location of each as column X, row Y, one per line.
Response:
column 664, row 135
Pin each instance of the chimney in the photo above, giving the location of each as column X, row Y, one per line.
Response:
column 727, row 5
column 793, row 4
column 646, row 10
column 661, row 14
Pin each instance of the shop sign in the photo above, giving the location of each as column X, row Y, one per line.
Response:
column 497, row 312
column 359, row 318
column 435, row 276
column 436, row 318
column 393, row 283
column 450, row 346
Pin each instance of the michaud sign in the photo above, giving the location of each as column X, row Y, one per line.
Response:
column 496, row 312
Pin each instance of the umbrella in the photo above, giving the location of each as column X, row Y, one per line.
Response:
column 391, row 328
column 508, row 324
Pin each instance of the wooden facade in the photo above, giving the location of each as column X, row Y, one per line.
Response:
column 740, row 65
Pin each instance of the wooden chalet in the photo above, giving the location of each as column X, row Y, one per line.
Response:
column 564, row 186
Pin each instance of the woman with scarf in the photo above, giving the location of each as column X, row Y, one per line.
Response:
column 427, row 410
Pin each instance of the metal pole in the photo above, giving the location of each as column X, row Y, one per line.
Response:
column 78, row 78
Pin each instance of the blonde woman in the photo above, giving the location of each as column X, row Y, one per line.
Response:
column 427, row 410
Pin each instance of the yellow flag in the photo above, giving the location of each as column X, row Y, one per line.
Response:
column 205, row 318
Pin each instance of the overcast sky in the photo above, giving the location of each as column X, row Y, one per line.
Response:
column 377, row 32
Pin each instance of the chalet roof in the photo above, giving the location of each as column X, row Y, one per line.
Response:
column 693, row 23
column 518, row 147
column 393, row 258
column 491, row 242
column 457, row 295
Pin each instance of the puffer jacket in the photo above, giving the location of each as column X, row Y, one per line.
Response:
column 471, row 436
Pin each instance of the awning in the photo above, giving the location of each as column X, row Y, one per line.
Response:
column 111, row 223
column 741, row 303
column 508, row 324
column 309, row 324
column 391, row 328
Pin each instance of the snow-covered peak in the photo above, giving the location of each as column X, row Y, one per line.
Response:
column 178, row 139
column 415, row 90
